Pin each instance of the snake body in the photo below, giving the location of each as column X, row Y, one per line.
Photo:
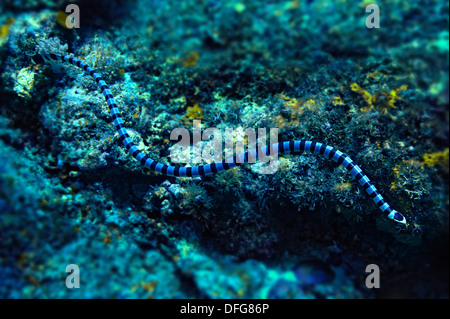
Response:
column 202, row 170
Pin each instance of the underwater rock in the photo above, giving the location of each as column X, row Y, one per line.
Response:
column 284, row 289
column 176, row 190
column 24, row 82
column 313, row 272
column 312, row 69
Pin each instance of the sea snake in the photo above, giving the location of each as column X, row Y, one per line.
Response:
column 202, row 170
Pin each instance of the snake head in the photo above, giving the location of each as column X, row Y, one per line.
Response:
column 399, row 218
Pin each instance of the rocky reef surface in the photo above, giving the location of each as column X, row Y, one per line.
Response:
column 71, row 194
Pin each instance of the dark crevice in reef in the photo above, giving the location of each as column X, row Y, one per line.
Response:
column 26, row 120
column 309, row 71
column 126, row 186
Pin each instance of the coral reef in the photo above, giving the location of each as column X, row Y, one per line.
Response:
column 70, row 194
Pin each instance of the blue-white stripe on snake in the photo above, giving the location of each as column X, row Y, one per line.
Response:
column 202, row 170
